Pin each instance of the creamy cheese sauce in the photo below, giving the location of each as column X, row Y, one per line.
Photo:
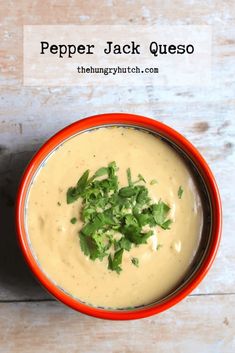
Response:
column 55, row 241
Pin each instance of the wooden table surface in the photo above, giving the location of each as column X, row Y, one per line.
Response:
column 30, row 321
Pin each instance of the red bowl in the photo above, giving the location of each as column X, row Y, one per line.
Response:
column 213, row 204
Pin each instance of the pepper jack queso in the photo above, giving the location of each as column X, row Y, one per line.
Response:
column 150, row 270
column 131, row 48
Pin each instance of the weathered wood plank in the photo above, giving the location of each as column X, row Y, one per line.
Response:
column 199, row 324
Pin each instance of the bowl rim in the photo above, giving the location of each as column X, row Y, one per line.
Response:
column 142, row 122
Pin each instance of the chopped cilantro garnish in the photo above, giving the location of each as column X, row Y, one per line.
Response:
column 73, row 193
column 166, row 224
column 134, row 235
column 115, row 261
column 101, row 171
column 73, row 220
column 114, row 217
column 58, row 203
column 180, row 192
column 141, row 178
column 135, row 261
column 128, row 172
column 154, row 181
column 128, row 191
column 123, row 243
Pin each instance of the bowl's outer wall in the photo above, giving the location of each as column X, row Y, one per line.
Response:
column 165, row 131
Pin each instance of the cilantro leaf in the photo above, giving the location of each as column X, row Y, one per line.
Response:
column 135, row 261
column 115, row 261
column 84, row 243
column 112, row 168
column 91, row 227
column 92, row 247
column 100, row 172
column 128, row 172
column 166, row 224
column 73, row 193
column 145, row 218
column 134, row 235
column 127, row 191
column 87, row 213
column 130, row 220
column 73, row 220
column 160, row 211
column 123, row 243
column 180, row 192
column 141, row 178
column 142, row 197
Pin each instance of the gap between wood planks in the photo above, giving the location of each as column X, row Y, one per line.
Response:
column 53, row 300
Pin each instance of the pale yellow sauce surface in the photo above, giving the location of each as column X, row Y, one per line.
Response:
column 55, row 241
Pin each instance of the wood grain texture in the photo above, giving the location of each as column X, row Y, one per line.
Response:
column 204, row 322
column 50, row 327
